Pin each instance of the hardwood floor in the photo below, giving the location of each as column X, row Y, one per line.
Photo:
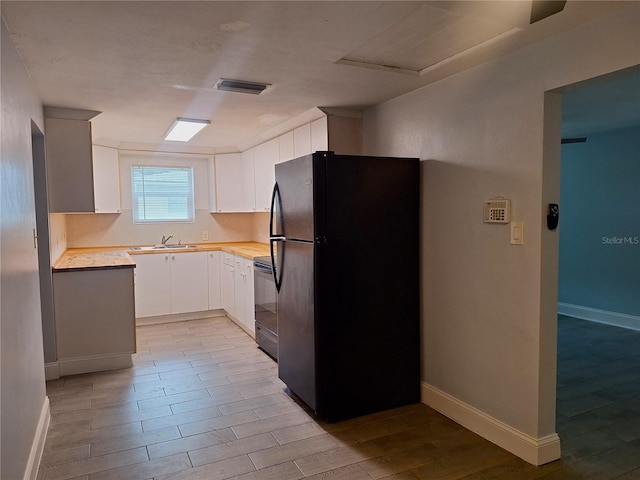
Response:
column 202, row 402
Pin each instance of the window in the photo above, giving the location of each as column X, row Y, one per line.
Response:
column 162, row 194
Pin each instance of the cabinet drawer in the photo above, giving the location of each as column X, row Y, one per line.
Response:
column 227, row 258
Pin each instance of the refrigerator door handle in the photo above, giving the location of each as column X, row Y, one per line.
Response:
column 275, row 194
column 277, row 274
column 275, row 237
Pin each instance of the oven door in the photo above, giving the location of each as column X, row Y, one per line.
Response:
column 266, row 309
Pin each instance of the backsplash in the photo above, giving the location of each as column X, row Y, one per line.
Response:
column 93, row 230
column 57, row 235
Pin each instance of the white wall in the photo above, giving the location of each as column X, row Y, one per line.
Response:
column 24, row 405
column 488, row 315
column 119, row 229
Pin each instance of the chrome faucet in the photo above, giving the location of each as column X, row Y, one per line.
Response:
column 165, row 240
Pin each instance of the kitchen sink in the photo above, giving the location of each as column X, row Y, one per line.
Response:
column 164, row 247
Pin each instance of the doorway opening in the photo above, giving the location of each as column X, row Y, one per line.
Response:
column 598, row 339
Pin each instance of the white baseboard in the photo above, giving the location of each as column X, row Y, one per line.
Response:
column 178, row 317
column 536, row 451
column 600, row 316
column 37, row 447
column 51, row 371
column 94, row 363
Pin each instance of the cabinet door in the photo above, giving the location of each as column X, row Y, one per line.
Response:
column 285, row 142
column 229, row 179
column 152, row 285
column 106, row 180
column 227, row 289
column 238, row 285
column 189, row 282
column 265, row 158
column 319, row 135
column 215, row 279
column 69, row 165
column 302, row 140
column 249, row 305
column 248, row 181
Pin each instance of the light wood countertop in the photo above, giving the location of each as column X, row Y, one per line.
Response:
column 75, row 259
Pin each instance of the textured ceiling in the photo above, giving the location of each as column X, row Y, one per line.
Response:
column 145, row 63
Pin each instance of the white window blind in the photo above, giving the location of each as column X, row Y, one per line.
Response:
column 162, row 194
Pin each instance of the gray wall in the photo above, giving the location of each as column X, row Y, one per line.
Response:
column 489, row 311
column 23, row 397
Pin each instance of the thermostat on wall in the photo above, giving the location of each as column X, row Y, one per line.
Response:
column 497, row 210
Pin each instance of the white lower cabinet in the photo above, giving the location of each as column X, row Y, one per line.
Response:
column 227, row 284
column 215, row 280
column 249, row 301
column 243, row 291
column 152, row 285
column 170, row 283
column 189, row 282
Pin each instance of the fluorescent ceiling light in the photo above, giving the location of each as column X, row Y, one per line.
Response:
column 184, row 129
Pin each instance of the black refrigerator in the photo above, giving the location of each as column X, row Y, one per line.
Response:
column 345, row 230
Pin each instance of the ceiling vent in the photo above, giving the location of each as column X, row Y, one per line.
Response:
column 241, row 86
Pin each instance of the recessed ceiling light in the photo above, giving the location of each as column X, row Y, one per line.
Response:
column 241, row 86
column 184, row 129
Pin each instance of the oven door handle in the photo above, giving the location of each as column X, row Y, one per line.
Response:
column 263, row 268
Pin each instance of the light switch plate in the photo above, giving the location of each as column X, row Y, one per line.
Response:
column 517, row 233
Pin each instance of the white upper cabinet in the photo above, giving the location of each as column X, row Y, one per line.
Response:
column 285, row 142
column 302, row 141
column 229, row 183
column 248, row 181
column 265, row 158
column 244, row 182
column 320, row 135
column 106, row 180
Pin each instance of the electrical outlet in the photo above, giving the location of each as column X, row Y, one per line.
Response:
column 205, row 235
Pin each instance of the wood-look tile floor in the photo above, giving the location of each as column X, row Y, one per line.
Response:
column 202, row 402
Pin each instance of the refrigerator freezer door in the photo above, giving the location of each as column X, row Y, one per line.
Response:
column 296, row 323
column 295, row 184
